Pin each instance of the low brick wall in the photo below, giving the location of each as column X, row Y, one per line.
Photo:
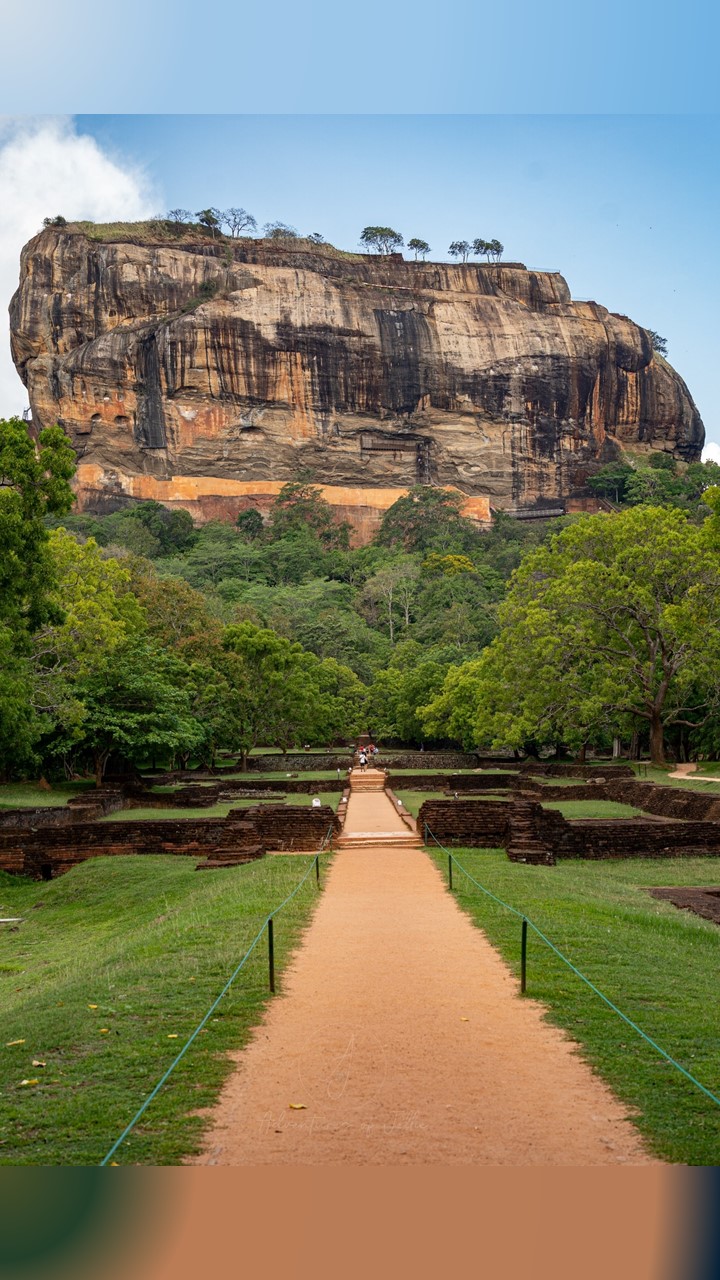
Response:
column 440, row 761
column 47, row 852
column 82, row 808
column 291, row 827
column 473, row 782
column 666, row 801
column 475, row 824
column 583, row 791
column 544, row 768
column 467, row 823
column 298, row 763
column 633, row 838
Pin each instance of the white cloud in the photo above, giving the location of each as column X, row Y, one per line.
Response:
column 711, row 452
column 47, row 168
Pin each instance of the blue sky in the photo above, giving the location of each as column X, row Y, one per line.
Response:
column 625, row 206
column 381, row 56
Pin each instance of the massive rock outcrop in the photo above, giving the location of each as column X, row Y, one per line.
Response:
column 209, row 372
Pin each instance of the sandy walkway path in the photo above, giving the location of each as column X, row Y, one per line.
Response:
column 401, row 1033
column 372, row 811
column 685, row 770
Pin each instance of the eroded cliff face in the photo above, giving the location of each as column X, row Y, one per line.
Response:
column 209, row 373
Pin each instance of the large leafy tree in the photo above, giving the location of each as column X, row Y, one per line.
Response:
column 381, row 239
column 428, row 519
column 615, row 623
column 300, row 506
column 460, row 249
column 136, row 704
column 96, row 612
column 34, row 482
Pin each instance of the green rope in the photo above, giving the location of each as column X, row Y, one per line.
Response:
column 210, row 1011
column 521, row 914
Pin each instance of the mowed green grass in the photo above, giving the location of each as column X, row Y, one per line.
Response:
column 113, row 967
column 152, row 814
column 653, row 773
column 308, row 775
column 412, row 800
column 658, row 964
column 29, row 795
column 593, row 809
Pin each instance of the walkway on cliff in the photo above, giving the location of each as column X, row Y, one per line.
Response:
column 400, row 1038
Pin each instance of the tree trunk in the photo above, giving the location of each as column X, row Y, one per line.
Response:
column 635, row 745
column 244, row 760
column 582, row 753
column 99, row 770
column 657, row 740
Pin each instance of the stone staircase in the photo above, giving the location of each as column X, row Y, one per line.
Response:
column 525, row 843
column 406, row 837
column 379, row 840
column 370, row 780
column 229, row 858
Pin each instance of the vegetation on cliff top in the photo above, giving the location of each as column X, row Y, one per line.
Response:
column 180, row 227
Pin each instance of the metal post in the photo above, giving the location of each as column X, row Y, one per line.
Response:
column 450, row 870
column 523, row 958
column 317, row 869
column 271, row 954
column 426, row 832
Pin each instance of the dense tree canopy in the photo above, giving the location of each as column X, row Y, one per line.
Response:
column 139, row 636
column 612, row 624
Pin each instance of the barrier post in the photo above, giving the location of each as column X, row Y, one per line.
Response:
column 317, row 869
column 523, row 958
column 271, row 953
column 450, row 883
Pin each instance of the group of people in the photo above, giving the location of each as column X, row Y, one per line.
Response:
column 367, row 755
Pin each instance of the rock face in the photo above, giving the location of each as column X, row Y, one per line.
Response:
column 208, row 373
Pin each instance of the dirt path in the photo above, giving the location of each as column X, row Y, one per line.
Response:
column 370, row 812
column 401, row 1035
column 684, row 771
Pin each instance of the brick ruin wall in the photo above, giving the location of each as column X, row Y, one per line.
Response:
column 489, row 824
column 48, row 851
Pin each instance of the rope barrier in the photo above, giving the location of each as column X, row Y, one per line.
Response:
column 527, row 921
column 265, row 924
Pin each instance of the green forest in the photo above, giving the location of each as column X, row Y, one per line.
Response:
column 138, row 636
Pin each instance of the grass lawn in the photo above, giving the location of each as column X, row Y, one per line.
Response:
column 656, row 963
column 413, row 799
column 308, row 775
column 652, row 773
column 399, row 773
column 215, row 810
column 593, row 809
column 28, row 795
column 113, row 967
column 545, row 781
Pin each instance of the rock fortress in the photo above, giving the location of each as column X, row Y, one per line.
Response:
column 206, row 373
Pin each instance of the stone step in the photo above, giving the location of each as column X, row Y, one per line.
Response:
column 381, row 839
